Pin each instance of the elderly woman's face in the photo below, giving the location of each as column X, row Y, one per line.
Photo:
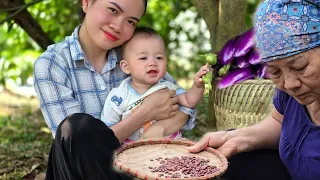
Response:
column 298, row 75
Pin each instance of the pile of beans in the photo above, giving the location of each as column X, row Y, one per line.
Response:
column 183, row 167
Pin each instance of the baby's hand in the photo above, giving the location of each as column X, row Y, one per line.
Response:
column 198, row 76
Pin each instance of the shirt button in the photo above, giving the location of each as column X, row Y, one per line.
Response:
column 103, row 88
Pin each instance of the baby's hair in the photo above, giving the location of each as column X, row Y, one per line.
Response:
column 146, row 31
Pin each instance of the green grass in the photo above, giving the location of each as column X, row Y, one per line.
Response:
column 23, row 145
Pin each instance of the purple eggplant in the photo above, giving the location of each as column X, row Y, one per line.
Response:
column 262, row 72
column 242, row 62
column 244, row 43
column 225, row 56
column 254, row 57
column 235, row 76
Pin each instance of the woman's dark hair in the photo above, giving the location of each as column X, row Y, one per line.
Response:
column 83, row 14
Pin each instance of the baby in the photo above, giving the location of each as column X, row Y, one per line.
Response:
column 144, row 58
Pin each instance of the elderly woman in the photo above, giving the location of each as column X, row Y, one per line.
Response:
column 288, row 37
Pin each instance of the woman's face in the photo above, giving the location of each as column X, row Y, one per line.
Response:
column 110, row 23
column 298, row 75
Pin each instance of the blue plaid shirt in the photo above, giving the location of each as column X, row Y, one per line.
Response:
column 66, row 83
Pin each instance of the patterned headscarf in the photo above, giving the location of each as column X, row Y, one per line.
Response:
column 286, row 27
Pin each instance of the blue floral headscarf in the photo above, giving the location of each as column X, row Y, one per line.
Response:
column 286, row 27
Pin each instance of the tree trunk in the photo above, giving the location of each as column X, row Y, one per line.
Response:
column 209, row 10
column 224, row 19
column 25, row 20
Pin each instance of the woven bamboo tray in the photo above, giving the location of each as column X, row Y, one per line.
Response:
column 137, row 157
column 242, row 104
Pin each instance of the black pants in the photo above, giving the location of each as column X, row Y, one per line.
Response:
column 83, row 150
column 256, row 165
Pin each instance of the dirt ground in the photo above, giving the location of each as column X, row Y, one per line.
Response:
column 24, row 138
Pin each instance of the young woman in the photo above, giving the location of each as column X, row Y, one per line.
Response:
column 72, row 81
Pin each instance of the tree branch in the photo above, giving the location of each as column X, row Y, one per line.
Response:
column 11, row 16
column 23, row 6
column 25, row 20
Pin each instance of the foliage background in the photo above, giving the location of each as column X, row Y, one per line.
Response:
column 183, row 30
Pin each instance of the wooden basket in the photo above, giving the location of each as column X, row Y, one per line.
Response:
column 136, row 158
column 242, row 104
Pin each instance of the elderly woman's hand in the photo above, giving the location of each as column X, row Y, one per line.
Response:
column 221, row 140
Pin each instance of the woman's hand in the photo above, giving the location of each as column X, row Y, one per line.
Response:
column 162, row 104
column 221, row 140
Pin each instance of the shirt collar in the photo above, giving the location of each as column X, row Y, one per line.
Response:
column 75, row 47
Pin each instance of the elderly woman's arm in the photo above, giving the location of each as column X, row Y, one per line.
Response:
column 265, row 134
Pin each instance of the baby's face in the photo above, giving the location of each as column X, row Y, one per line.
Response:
column 146, row 58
